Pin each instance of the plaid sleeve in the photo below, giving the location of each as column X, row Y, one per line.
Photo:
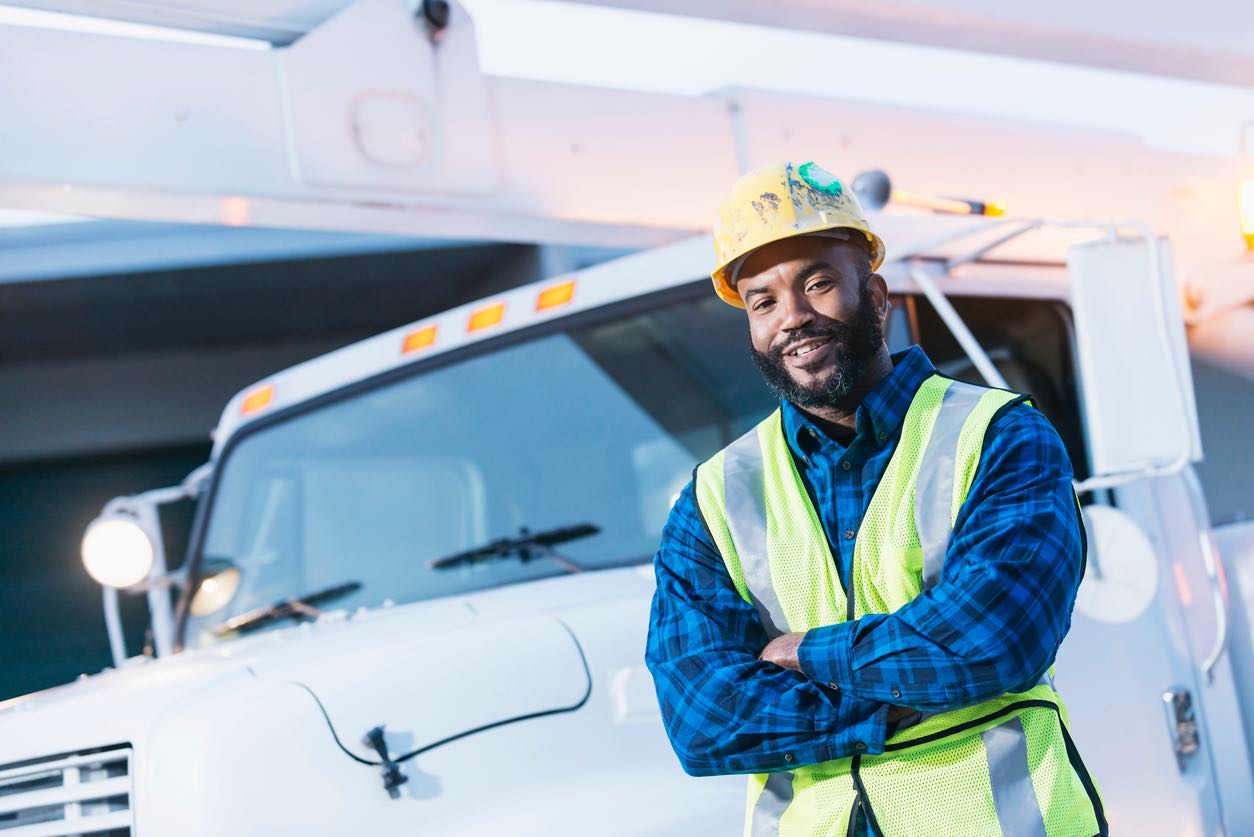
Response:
column 994, row 622
column 725, row 710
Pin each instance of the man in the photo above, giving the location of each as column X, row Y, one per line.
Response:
column 859, row 601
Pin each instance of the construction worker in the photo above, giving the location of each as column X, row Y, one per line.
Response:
column 859, row 601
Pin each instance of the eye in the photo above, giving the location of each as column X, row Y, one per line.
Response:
column 763, row 304
column 819, row 285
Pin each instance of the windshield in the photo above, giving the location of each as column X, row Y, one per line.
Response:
column 596, row 424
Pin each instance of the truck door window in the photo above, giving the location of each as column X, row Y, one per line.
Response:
column 1028, row 340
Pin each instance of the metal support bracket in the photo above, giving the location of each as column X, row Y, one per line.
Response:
column 378, row 97
column 143, row 507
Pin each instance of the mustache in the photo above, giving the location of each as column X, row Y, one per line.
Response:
column 836, row 332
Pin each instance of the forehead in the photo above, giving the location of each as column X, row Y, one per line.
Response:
column 785, row 259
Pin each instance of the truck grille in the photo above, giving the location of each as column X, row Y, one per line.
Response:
column 80, row 793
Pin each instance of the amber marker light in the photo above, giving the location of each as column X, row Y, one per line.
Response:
column 1245, row 203
column 235, row 212
column 486, row 317
column 1182, row 584
column 419, row 338
column 555, row 295
column 258, row 400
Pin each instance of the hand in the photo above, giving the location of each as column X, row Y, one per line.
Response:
column 782, row 651
column 897, row 714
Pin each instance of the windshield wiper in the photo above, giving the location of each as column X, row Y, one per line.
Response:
column 297, row 607
column 525, row 546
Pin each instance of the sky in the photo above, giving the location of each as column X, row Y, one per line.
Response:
column 573, row 43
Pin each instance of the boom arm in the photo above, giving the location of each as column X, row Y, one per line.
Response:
column 366, row 118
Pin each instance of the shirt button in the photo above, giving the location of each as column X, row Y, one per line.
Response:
column 787, row 756
column 859, row 746
column 883, row 437
column 814, row 434
column 833, row 686
column 896, row 693
column 845, row 466
column 848, row 534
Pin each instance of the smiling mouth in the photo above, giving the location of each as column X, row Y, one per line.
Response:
column 806, row 348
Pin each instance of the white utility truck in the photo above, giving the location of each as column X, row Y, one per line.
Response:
column 416, row 596
column 417, row 589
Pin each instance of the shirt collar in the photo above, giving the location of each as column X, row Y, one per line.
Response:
column 882, row 409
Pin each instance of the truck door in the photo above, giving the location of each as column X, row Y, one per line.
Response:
column 1141, row 614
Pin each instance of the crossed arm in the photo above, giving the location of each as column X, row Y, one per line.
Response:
column 734, row 703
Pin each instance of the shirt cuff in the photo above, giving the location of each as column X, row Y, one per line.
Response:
column 864, row 728
column 825, row 655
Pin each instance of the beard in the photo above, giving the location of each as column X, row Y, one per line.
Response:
column 855, row 345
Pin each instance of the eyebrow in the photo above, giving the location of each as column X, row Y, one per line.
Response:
column 813, row 268
column 805, row 273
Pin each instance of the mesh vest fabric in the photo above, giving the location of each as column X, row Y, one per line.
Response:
column 1005, row 766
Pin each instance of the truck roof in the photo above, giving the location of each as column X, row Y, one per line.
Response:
column 1031, row 267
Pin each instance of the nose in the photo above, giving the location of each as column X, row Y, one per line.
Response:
column 795, row 312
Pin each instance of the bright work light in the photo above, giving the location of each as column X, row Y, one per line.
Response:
column 875, row 190
column 117, row 551
column 1245, row 200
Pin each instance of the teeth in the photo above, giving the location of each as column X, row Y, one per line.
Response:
column 802, row 352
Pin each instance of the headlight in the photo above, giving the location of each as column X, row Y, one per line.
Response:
column 117, row 552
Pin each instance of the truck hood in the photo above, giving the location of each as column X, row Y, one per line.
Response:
column 427, row 672
column 427, row 690
column 114, row 707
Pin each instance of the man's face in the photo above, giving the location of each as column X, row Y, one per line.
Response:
column 814, row 328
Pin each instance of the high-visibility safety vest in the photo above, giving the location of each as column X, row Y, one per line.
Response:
column 1006, row 766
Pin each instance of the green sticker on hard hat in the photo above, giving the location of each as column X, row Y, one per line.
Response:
column 820, row 178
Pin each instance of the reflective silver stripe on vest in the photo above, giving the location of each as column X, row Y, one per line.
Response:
column 934, row 489
column 776, row 797
column 1018, row 811
column 745, row 505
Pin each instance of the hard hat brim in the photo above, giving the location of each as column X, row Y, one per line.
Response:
column 725, row 288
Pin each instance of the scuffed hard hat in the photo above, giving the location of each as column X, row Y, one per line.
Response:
column 777, row 202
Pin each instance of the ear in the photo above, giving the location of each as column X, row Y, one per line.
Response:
column 878, row 289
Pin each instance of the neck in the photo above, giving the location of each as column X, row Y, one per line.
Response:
column 840, row 418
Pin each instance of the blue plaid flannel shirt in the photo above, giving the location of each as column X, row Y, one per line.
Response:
column 992, row 624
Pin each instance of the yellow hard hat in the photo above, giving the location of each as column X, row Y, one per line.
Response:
column 777, row 202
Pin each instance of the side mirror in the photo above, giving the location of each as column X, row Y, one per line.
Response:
column 1135, row 380
column 218, row 584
